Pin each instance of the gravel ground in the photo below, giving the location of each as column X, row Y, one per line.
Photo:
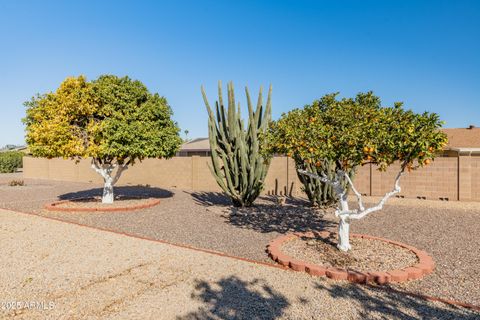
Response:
column 82, row 273
column 96, row 203
column 450, row 235
column 366, row 254
column 448, row 231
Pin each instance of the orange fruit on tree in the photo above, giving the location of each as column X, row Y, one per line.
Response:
column 365, row 149
column 370, row 149
column 427, row 162
column 310, row 149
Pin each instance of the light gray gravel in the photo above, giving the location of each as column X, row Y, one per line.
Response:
column 449, row 231
column 84, row 273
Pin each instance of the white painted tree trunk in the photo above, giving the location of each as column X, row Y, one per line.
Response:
column 107, row 190
column 105, row 170
column 344, row 227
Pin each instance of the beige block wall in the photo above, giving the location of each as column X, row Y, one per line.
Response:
column 438, row 180
column 35, row 168
column 465, row 175
column 203, row 178
column 276, row 181
column 475, row 178
column 362, row 179
column 447, row 177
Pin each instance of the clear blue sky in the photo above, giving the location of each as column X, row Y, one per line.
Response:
column 425, row 53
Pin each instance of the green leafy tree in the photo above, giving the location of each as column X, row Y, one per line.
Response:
column 348, row 133
column 10, row 161
column 115, row 121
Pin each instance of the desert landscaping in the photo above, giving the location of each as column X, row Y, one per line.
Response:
column 114, row 257
column 239, row 160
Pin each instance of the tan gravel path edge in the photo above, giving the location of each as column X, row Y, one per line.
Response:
column 56, row 270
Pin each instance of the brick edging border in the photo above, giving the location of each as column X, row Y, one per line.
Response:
column 53, row 206
column 424, row 266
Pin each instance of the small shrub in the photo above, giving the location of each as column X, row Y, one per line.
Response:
column 15, row 183
column 10, row 161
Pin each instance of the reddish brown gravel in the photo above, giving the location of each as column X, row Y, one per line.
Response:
column 365, row 255
column 448, row 231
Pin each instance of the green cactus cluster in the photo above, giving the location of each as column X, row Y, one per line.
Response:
column 237, row 164
column 320, row 194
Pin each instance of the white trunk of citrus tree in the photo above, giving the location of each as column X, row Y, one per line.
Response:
column 107, row 190
column 343, row 212
column 344, row 228
column 106, row 170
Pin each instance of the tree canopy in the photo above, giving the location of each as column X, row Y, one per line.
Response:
column 111, row 119
column 356, row 131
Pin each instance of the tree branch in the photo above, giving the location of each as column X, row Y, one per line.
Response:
column 105, row 169
column 379, row 206
column 98, row 168
column 341, row 192
column 322, row 178
column 357, row 194
column 336, row 185
column 120, row 169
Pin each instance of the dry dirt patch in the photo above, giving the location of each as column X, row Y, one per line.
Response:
column 365, row 255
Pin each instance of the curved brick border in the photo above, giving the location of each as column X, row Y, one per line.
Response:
column 53, row 206
column 424, row 266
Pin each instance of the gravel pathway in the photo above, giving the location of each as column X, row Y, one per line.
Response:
column 448, row 231
column 81, row 273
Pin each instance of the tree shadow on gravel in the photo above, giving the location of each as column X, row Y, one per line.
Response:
column 270, row 218
column 266, row 215
column 394, row 305
column 120, row 192
column 208, row 199
column 234, row 298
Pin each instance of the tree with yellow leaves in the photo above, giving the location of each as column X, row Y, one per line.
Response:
column 115, row 121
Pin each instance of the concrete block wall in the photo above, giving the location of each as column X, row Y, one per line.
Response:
column 475, row 178
column 438, row 180
column 452, row 178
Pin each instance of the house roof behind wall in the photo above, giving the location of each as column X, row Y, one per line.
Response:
column 198, row 144
column 463, row 137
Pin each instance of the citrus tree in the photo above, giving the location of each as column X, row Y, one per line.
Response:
column 115, row 121
column 348, row 133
